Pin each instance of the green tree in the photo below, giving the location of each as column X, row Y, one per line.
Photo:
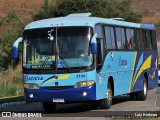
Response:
column 98, row 8
column 7, row 39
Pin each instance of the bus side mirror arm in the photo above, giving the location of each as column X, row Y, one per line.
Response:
column 14, row 54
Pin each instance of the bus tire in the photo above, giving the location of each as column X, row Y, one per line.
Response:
column 49, row 107
column 106, row 103
column 132, row 96
column 142, row 95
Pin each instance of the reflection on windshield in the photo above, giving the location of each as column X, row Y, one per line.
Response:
column 72, row 46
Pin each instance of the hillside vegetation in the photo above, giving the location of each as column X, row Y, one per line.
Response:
column 14, row 15
column 150, row 12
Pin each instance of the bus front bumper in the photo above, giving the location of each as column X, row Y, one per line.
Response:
column 68, row 95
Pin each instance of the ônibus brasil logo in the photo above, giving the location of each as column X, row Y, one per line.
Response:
column 26, row 77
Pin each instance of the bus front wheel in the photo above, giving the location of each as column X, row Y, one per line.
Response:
column 106, row 103
column 49, row 107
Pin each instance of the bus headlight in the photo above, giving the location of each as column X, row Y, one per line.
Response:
column 31, row 86
column 84, row 84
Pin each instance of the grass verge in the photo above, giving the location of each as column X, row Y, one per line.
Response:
column 11, row 83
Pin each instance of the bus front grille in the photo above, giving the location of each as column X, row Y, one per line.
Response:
column 56, row 87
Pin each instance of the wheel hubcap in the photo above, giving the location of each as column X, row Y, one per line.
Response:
column 109, row 95
column 145, row 88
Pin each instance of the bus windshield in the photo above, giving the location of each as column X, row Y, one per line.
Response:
column 69, row 44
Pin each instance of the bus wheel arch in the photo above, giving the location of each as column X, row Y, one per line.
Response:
column 110, row 80
column 107, row 102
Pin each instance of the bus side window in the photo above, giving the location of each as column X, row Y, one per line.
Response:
column 153, row 40
column 148, row 40
column 110, row 38
column 120, row 36
column 130, row 38
column 139, row 38
column 100, row 35
column 98, row 30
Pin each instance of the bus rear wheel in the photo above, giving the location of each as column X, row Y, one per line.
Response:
column 142, row 95
column 106, row 103
column 49, row 107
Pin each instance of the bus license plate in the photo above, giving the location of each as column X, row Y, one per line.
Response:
column 58, row 100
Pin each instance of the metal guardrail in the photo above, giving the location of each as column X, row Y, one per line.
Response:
column 11, row 101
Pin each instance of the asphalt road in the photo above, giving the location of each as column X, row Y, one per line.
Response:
column 121, row 105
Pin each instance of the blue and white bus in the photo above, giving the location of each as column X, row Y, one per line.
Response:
column 79, row 58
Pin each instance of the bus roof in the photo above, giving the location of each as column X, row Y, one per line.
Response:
column 83, row 20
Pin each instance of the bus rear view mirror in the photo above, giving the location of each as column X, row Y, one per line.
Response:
column 94, row 44
column 15, row 45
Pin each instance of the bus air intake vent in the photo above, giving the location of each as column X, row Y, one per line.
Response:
column 79, row 15
column 57, row 87
column 119, row 19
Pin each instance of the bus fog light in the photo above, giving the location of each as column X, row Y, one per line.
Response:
column 31, row 95
column 84, row 93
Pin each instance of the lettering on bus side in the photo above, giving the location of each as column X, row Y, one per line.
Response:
column 122, row 62
column 26, row 77
column 108, row 66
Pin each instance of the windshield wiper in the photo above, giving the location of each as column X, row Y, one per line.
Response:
column 65, row 63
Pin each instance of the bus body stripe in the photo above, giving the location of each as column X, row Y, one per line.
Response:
column 132, row 72
column 64, row 77
column 144, row 66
